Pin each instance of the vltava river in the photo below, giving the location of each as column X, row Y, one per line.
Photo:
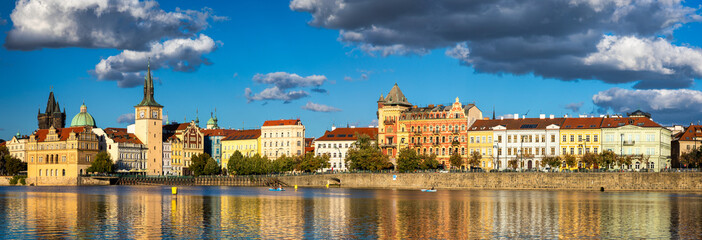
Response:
column 117, row 212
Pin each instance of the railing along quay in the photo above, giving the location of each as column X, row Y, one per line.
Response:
column 201, row 181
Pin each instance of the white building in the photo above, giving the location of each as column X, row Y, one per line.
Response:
column 337, row 142
column 526, row 140
column 127, row 152
column 282, row 137
column 167, row 168
column 17, row 146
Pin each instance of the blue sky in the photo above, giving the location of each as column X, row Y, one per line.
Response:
column 300, row 37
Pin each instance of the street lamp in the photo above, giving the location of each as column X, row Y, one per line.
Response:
column 621, row 147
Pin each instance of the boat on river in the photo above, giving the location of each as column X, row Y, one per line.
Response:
column 276, row 189
column 428, row 190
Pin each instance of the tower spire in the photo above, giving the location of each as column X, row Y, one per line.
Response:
column 149, row 88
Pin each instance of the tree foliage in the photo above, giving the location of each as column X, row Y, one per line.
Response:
column 692, row 158
column 429, row 162
column 606, row 159
column 553, row 161
column 203, row 164
column 569, row 160
column 590, row 160
column 102, row 163
column 513, row 163
column 310, row 163
column 254, row 165
column 366, row 155
column 474, row 159
column 408, row 160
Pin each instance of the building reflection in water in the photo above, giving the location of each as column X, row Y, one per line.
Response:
column 227, row 212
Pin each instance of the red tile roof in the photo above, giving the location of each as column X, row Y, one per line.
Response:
column 217, row 132
column 175, row 126
column 243, row 135
column 690, row 133
column 281, row 122
column 582, row 123
column 63, row 133
column 515, row 124
column 623, row 121
column 120, row 135
column 346, row 134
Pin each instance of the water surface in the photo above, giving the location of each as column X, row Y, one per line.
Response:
column 138, row 212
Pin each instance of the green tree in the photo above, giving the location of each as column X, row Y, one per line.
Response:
column 474, row 159
column 692, row 158
column 4, row 157
column 429, row 162
column 236, row 163
column 212, row 167
column 569, row 160
column 624, row 160
column 366, row 155
column 408, row 160
column 590, row 160
column 552, row 161
column 284, row 164
column 102, row 163
column 311, row 163
column 606, row 159
column 198, row 163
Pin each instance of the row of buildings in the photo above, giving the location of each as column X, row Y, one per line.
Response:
column 58, row 155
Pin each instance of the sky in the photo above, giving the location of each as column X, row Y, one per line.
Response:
column 328, row 61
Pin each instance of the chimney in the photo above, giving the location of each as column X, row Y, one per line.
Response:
column 565, row 116
column 551, row 116
column 601, row 115
column 333, row 127
column 502, row 118
column 542, row 116
column 516, row 116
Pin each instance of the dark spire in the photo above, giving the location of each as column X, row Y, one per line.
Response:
column 493, row 112
column 149, row 89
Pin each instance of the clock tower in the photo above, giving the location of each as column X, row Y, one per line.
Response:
column 149, row 127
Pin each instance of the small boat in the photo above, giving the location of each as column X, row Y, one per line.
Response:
column 276, row 189
column 428, row 190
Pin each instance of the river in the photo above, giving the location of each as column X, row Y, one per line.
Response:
column 140, row 212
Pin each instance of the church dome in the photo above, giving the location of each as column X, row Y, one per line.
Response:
column 211, row 121
column 83, row 118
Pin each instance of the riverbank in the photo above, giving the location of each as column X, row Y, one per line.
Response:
column 628, row 181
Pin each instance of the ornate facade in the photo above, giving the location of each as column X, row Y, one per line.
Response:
column 435, row 129
column 60, row 156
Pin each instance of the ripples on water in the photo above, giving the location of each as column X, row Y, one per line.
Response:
column 118, row 212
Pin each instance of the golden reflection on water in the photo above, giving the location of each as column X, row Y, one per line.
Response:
column 120, row 212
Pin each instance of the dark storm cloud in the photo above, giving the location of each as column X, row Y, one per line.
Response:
column 567, row 40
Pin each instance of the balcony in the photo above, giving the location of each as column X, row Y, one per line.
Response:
column 628, row 143
column 418, row 133
column 436, row 132
column 389, row 122
column 388, row 145
column 455, row 132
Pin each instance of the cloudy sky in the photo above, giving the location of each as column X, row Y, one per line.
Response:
column 327, row 61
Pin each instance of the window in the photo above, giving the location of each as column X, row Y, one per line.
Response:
column 564, row 151
column 572, row 138
column 594, row 137
column 594, row 150
column 564, row 138
column 580, row 138
column 553, row 151
column 499, row 139
column 572, row 151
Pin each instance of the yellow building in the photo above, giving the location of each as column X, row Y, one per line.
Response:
column 60, row 156
column 247, row 142
column 481, row 138
column 188, row 142
column 579, row 136
column 176, row 154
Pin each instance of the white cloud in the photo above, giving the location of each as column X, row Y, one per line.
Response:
column 182, row 55
column 127, row 24
column 285, row 80
column 274, row 93
column 665, row 105
column 281, row 83
column 315, row 107
column 127, row 118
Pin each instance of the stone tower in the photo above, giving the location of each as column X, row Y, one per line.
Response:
column 53, row 115
column 149, row 127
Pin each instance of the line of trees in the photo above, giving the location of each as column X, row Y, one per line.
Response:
column 603, row 160
column 408, row 160
column 239, row 164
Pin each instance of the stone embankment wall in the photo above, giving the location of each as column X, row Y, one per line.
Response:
column 544, row 181
column 5, row 181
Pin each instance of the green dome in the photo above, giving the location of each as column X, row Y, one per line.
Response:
column 83, row 118
column 211, row 121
